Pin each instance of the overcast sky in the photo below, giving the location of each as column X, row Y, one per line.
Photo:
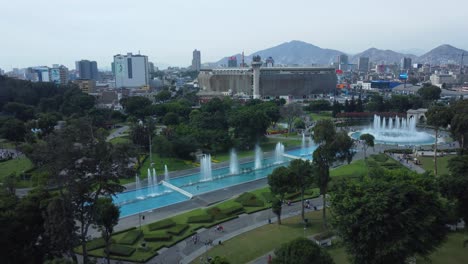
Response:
column 62, row 31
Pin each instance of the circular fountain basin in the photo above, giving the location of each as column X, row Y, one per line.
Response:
column 397, row 136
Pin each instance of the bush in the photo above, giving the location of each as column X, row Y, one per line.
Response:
column 166, row 223
column 216, row 213
column 206, row 218
column 123, row 231
column 268, row 197
column 234, row 209
column 399, row 151
column 177, row 229
column 291, row 196
column 154, row 237
column 379, row 157
column 121, row 250
column 95, row 244
column 130, row 237
column 249, row 200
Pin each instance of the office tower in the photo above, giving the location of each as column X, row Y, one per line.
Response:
column 196, row 60
column 131, row 71
column 87, row 70
column 405, row 64
column 343, row 62
column 232, row 62
column 363, row 64
column 58, row 74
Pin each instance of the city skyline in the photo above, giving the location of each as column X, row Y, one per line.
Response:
column 62, row 33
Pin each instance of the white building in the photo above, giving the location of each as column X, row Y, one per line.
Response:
column 440, row 79
column 131, row 71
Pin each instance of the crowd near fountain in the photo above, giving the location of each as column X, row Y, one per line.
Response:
column 396, row 130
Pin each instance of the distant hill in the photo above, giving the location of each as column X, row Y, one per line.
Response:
column 444, row 54
column 378, row 55
column 300, row 53
column 292, row 53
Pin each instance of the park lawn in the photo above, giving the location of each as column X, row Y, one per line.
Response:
column 442, row 164
column 321, row 116
column 356, row 168
column 16, row 166
column 246, row 247
column 120, row 140
column 173, row 164
column 5, row 144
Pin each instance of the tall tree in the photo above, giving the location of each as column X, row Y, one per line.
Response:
column 430, row 93
column 333, row 146
column 368, row 141
column 301, row 251
column 107, row 216
column 438, row 117
column 455, row 184
column 289, row 112
column 390, row 218
column 280, row 183
column 301, row 173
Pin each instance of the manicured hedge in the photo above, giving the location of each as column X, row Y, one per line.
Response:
column 157, row 237
column 399, row 151
column 95, row 244
column 216, row 213
column 249, row 200
column 166, row 223
column 130, row 237
column 121, row 250
column 205, row 218
column 379, row 158
column 123, row 231
column 268, row 196
column 177, row 229
column 234, row 209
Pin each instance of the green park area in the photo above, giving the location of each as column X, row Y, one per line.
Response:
column 128, row 244
column 321, row 115
column 442, row 164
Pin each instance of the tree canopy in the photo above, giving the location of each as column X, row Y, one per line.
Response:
column 301, row 251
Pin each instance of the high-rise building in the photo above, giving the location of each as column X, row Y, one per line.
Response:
column 151, row 67
column 196, row 60
column 131, row 71
column 58, row 74
column 86, row 69
column 343, row 62
column 363, row 64
column 405, row 64
column 232, row 62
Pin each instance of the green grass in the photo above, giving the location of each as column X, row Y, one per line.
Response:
column 321, row 116
column 120, row 140
column 173, row 164
column 442, row 162
column 16, row 166
column 246, row 247
column 5, row 144
column 356, row 168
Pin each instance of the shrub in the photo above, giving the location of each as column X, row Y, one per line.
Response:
column 130, row 237
column 216, row 213
column 234, row 209
column 399, row 151
column 177, row 229
column 249, row 200
column 123, row 231
column 166, row 223
column 121, row 250
column 291, row 196
column 154, row 237
column 380, row 157
column 206, row 218
column 268, row 197
column 95, row 244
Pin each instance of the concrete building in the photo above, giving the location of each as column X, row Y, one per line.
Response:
column 86, row 69
column 440, row 79
column 58, row 74
column 86, row 86
column 131, row 71
column 196, row 60
column 232, row 62
column 405, row 64
column 343, row 62
column 363, row 64
column 267, row 82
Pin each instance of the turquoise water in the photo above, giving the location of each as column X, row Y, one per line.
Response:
column 397, row 138
column 303, row 152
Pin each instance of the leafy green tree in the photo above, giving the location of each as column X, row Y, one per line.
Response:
column 438, row 117
column 336, row 108
column 280, row 183
column 319, row 105
column 13, row 130
column 301, row 173
column 301, row 251
column 219, row 260
column 163, row 96
column 136, row 105
column 289, row 112
column 391, row 218
column 459, row 123
column 299, row 123
column 368, row 140
column 20, row 111
column 455, row 184
column 107, row 216
column 171, row 119
column 430, row 93
column 333, row 146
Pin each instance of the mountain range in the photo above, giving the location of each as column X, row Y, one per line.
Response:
column 300, row 53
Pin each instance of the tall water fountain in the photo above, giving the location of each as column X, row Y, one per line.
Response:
column 303, row 143
column 258, row 157
column 205, row 168
column 166, row 174
column 138, row 187
column 279, row 152
column 233, row 163
column 150, row 181
column 396, row 130
column 155, row 178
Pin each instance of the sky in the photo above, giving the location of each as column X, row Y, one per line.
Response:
column 63, row 31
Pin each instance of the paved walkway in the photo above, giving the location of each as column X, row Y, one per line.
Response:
column 118, row 132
